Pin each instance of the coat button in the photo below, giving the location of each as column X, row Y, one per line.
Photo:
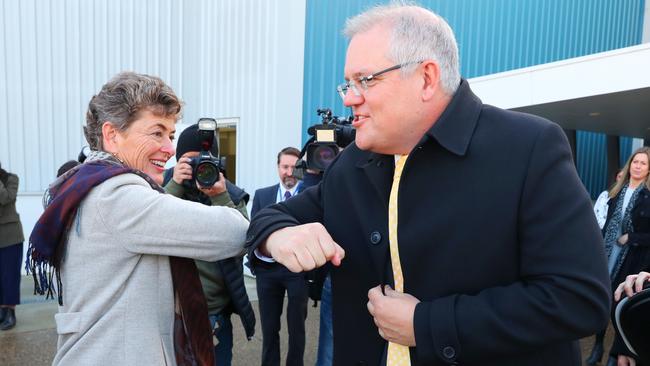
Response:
column 449, row 352
column 375, row 237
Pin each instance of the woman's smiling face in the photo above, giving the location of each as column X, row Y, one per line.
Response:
column 147, row 144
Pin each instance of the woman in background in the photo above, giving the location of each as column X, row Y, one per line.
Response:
column 627, row 233
column 11, row 250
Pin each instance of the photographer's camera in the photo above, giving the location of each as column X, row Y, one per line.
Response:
column 206, row 166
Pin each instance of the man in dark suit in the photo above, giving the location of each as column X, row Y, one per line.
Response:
column 499, row 259
column 273, row 279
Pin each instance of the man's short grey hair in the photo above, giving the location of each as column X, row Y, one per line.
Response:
column 417, row 34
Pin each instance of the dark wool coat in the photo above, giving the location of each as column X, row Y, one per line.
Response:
column 11, row 230
column 497, row 239
column 638, row 257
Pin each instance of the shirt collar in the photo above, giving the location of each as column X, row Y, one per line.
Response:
column 292, row 190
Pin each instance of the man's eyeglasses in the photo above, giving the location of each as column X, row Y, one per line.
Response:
column 366, row 81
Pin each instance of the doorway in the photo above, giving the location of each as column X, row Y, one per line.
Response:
column 228, row 145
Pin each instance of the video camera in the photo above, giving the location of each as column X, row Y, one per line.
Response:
column 205, row 166
column 328, row 138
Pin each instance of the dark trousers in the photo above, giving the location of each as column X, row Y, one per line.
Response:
column 272, row 282
column 11, row 258
column 222, row 329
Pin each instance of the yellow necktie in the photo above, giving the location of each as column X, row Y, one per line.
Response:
column 398, row 355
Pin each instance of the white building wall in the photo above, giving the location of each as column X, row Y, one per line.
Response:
column 225, row 58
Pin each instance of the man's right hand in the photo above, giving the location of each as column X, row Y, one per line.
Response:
column 303, row 247
column 182, row 170
column 631, row 285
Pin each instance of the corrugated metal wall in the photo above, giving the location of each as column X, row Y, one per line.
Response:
column 592, row 159
column 226, row 58
column 493, row 36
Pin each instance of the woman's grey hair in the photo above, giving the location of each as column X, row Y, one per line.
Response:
column 417, row 34
column 121, row 101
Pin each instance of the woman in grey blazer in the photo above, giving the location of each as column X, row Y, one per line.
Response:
column 121, row 249
column 11, row 250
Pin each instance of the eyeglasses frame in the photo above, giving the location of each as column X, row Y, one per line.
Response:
column 342, row 89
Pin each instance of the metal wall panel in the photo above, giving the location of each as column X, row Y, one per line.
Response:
column 493, row 36
column 226, row 58
column 592, row 159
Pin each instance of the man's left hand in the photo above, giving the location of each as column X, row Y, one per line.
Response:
column 625, row 361
column 393, row 314
column 218, row 187
column 631, row 285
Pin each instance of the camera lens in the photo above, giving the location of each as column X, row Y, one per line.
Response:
column 323, row 155
column 206, row 174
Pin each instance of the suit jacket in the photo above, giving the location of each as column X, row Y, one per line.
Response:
column 497, row 239
column 118, row 298
column 11, row 230
column 267, row 196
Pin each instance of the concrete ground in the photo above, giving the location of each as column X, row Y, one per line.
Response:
column 33, row 340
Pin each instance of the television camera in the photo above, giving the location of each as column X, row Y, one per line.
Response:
column 327, row 139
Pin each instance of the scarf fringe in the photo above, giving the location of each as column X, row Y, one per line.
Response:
column 43, row 273
column 61, row 200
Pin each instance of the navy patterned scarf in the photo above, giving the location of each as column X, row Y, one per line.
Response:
column 622, row 220
column 192, row 333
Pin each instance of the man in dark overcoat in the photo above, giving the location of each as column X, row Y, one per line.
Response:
column 486, row 250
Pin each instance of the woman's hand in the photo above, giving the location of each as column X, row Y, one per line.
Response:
column 623, row 239
column 631, row 285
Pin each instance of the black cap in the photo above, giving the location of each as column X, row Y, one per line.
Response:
column 66, row 166
column 190, row 140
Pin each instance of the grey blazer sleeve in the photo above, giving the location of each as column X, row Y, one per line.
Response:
column 147, row 222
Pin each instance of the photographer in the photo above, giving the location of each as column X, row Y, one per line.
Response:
column 274, row 280
column 222, row 281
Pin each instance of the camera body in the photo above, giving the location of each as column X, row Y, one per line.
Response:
column 205, row 166
column 328, row 138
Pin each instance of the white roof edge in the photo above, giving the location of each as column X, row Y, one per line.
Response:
column 600, row 73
